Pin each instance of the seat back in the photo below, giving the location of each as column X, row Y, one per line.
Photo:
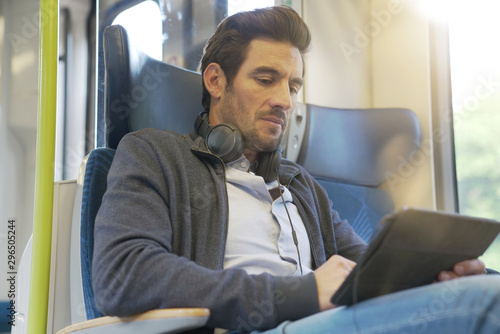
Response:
column 142, row 92
column 351, row 152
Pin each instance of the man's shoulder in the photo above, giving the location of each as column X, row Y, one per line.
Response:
column 162, row 143
column 154, row 134
column 287, row 162
column 293, row 166
column 292, row 170
column 156, row 138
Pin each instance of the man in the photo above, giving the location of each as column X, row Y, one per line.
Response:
column 216, row 219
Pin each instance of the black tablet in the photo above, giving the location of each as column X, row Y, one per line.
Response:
column 409, row 249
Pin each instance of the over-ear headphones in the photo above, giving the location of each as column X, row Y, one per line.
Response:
column 226, row 142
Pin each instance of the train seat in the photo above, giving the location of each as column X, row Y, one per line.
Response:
column 353, row 152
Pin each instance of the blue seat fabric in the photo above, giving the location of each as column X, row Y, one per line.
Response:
column 94, row 187
column 362, row 207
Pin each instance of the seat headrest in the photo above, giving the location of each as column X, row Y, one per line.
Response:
column 141, row 92
column 358, row 146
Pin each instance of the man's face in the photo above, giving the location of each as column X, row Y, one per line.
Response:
column 263, row 94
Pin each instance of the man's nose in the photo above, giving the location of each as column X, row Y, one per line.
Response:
column 282, row 98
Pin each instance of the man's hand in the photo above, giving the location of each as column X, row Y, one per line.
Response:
column 329, row 277
column 464, row 268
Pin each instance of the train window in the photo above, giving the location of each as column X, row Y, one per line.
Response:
column 235, row 6
column 475, row 80
column 187, row 25
column 143, row 23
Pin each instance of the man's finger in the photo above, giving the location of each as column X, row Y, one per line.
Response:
column 446, row 275
column 469, row 267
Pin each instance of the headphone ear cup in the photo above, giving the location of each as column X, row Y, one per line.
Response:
column 225, row 141
column 269, row 165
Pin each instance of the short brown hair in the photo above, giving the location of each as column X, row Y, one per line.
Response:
column 229, row 44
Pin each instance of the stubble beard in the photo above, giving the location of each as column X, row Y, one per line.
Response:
column 232, row 110
column 255, row 142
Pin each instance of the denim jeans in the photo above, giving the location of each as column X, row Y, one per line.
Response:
column 465, row 305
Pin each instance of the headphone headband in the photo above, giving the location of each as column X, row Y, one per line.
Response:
column 201, row 125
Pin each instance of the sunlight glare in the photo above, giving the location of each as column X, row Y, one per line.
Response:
column 436, row 10
column 143, row 23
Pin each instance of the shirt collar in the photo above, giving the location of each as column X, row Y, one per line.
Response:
column 241, row 164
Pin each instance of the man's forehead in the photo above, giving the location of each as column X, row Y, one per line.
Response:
column 273, row 57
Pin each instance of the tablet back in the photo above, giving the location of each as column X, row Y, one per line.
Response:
column 410, row 248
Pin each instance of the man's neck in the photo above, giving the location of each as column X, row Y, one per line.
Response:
column 252, row 156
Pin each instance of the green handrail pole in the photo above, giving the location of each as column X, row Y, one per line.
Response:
column 44, row 175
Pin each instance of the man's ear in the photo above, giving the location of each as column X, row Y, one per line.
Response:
column 215, row 80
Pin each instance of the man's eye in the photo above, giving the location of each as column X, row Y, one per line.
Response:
column 264, row 81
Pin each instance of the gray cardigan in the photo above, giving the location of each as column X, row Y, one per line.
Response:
column 161, row 230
